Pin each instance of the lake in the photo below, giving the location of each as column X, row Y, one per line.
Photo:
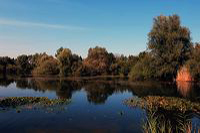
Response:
column 96, row 104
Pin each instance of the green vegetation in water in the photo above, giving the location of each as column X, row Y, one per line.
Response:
column 166, row 114
column 152, row 125
column 14, row 102
column 159, row 124
column 167, row 103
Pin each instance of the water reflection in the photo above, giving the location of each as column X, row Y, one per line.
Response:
column 98, row 93
column 109, row 113
column 6, row 82
column 184, row 88
column 189, row 90
column 98, row 90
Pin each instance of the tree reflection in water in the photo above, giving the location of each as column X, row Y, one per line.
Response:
column 189, row 90
column 5, row 81
column 184, row 88
column 98, row 90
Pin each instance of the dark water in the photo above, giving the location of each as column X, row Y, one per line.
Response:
column 96, row 104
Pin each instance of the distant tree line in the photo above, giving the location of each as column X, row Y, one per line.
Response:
column 169, row 48
column 98, row 62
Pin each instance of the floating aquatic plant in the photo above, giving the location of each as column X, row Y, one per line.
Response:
column 14, row 102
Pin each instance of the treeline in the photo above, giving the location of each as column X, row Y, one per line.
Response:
column 65, row 63
column 169, row 48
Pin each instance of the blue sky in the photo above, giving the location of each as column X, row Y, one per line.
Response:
column 29, row 26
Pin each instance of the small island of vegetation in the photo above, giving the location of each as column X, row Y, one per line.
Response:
column 32, row 103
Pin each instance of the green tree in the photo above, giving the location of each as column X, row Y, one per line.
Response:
column 76, row 63
column 144, row 68
column 4, row 63
column 125, row 64
column 169, row 43
column 68, row 62
column 24, row 66
column 194, row 62
column 64, row 57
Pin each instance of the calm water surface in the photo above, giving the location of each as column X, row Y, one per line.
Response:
column 96, row 104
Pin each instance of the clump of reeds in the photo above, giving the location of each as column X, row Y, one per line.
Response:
column 160, row 109
column 158, row 124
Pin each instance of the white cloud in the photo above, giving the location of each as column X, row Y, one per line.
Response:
column 35, row 24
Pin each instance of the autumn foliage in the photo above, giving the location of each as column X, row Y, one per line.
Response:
column 184, row 75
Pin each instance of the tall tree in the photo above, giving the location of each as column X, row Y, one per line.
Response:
column 68, row 62
column 170, row 45
column 194, row 62
column 144, row 67
column 98, row 61
column 5, row 61
column 125, row 64
column 64, row 57
column 46, row 65
column 24, row 65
